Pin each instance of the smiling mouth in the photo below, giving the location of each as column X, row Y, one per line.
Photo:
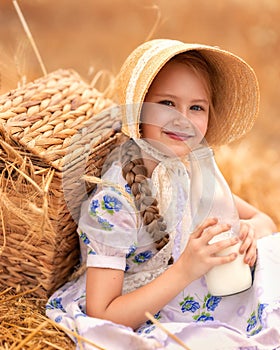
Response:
column 178, row 136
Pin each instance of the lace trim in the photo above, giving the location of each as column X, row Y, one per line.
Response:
column 140, row 279
column 150, row 150
column 153, row 268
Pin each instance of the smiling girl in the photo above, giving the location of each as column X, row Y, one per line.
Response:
column 135, row 227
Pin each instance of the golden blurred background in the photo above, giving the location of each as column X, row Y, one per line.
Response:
column 94, row 35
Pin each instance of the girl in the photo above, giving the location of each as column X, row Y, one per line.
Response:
column 136, row 225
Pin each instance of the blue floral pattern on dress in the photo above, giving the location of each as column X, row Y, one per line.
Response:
column 84, row 238
column 127, row 189
column 211, row 302
column 131, row 251
column 105, row 224
column 142, row 257
column 111, row 204
column 204, row 316
column 58, row 319
column 93, row 206
column 255, row 322
column 91, row 251
column 189, row 304
column 202, row 313
column 55, row 303
column 148, row 326
column 252, row 321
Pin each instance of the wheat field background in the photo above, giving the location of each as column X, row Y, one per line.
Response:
column 93, row 35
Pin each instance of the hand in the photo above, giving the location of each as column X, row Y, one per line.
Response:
column 199, row 256
column 248, row 245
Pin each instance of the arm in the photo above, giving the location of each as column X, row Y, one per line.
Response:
column 104, row 297
column 262, row 224
column 254, row 225
column 107, row 301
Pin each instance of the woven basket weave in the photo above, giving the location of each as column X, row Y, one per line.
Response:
column 51, row 134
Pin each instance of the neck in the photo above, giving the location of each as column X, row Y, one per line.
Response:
column 149, row 162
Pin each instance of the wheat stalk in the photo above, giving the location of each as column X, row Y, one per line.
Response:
column 30, row 37
column 171, row 335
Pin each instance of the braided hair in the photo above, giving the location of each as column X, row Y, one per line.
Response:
column 135, row 173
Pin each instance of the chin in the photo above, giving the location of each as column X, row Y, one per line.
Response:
column 181, row 152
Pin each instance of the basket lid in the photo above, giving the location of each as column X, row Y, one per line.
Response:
column 48, row 115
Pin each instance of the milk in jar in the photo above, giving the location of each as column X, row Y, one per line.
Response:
column 210, row 196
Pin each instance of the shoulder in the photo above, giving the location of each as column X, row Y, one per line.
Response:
column 111, row 205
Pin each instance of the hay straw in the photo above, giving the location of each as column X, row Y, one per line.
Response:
column 28, row 178
column 166, row 331
column 30, row 291
column 156, row 23
column 30, row 336
column 76, row 335
column 42, row 191
column 24, row 326
column 99, row 78
column 3, row 232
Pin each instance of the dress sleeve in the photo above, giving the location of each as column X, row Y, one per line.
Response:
column 108, row 227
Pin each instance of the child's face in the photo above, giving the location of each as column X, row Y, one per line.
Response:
column 178, row 100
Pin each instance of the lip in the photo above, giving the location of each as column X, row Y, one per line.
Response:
column 178, row 136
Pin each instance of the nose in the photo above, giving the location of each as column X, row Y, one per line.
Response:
column 181, row 120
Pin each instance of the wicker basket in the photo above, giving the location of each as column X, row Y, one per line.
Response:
column 51, row 134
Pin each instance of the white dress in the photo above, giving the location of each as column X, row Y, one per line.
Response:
column 112, row 236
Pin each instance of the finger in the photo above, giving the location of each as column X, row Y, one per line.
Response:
column 218, row 260
column 244, row 230
column 245, row 245
column 253, row 260
column 213, row 231
column 251, row 254
column 206, row 224
column 250, row 260
column 247, row 241
column 218, row 247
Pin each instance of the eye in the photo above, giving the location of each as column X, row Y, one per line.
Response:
column 167, row 103
column 197, row 108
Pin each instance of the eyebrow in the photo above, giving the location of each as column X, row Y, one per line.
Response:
column 202, row 100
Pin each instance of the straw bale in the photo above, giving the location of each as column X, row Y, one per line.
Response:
column 24, row 326
column 52, row 132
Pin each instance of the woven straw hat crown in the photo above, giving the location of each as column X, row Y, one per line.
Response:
column 236, row 91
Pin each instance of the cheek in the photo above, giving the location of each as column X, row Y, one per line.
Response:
column 203, row 129
column 149, row 131
column 202, row 126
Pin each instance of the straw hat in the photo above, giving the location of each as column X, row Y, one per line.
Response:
column 237, row 92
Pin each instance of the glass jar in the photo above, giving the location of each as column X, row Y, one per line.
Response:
column 210, row 196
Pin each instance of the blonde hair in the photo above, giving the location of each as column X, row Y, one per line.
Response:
column 204, row 70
